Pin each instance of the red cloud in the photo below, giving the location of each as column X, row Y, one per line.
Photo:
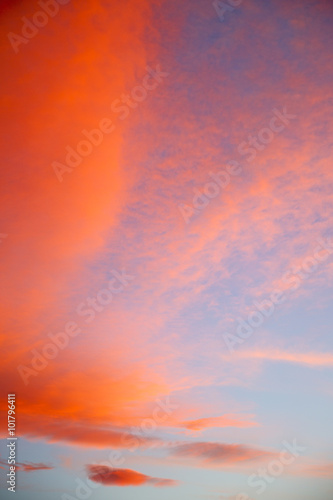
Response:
column 124, row 477
column 221, row 453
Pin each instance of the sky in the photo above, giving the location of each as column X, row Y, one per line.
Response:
column 166, row 249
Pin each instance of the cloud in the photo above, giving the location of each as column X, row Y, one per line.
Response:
column 124, row 477
column 28, row 466
column 222, row 421
column 121, row 206
column 311, row 359
column 69, row 223
column 218, row 453
column 324, row 470
column 88, row 435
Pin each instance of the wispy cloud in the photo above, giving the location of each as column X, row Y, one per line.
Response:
column 311, row 359
column 320, row 471
column 219, row 453
column 27, row 466
column 229, row 420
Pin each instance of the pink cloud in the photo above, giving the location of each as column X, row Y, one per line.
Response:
column 220, row 453
column 313, row 359
column 229, row 420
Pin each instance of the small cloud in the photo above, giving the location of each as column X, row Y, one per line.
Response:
column 124, row 477
column 222, row 421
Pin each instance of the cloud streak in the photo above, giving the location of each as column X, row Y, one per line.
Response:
column 228, row 420
column 27, row 466
column 221, row 454
column 310, row 359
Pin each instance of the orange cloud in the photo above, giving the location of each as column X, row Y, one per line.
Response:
column 65, row 225
column 126, row 195
column 124, row 477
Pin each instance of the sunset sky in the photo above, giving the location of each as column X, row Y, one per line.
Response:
column 166, row 245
